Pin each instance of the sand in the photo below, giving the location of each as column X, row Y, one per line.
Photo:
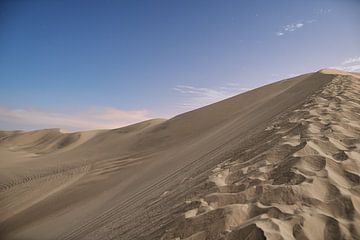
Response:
column 278, row 162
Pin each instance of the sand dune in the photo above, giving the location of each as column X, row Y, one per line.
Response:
column 278, row 162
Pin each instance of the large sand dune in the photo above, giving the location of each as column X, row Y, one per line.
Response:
column 278, row 162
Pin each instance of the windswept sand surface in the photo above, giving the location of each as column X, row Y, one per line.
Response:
column 278, row 162
column 302, row 184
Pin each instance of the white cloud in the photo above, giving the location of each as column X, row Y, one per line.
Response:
column 351, row 60
column 95, row 118
column 293, row 27
column 352, row 68
column 350, row 65
column 198, row 97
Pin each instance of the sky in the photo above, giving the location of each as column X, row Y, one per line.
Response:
column 82, row 65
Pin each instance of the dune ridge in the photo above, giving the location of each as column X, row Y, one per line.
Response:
column 248, row 167
column 304, row 187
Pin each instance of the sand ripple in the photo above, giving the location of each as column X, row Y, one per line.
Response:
column 304, row 186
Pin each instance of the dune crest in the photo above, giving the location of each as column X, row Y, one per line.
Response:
column 304, row 187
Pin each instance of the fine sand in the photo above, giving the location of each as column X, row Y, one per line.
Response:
column 278, row 162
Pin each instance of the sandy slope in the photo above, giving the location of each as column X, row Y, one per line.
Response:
column 280, row 161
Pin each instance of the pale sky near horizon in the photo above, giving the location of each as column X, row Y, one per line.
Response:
column 104, row 64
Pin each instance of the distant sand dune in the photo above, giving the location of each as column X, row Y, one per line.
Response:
column 278, row 162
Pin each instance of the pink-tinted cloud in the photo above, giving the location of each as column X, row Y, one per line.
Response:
column 94, row 118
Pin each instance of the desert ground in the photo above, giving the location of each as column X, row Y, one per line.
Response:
column 278, row 162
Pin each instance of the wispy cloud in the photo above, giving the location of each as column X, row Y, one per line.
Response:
column 351, row 65
column 277, row 77
column 197, row 97
column 353, row 68
column 351, row 61
column 292, row 27
column 95, row 118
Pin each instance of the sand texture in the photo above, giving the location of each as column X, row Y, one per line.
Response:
column 278, row 162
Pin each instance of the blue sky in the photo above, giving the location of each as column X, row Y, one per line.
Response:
column 103, row 64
